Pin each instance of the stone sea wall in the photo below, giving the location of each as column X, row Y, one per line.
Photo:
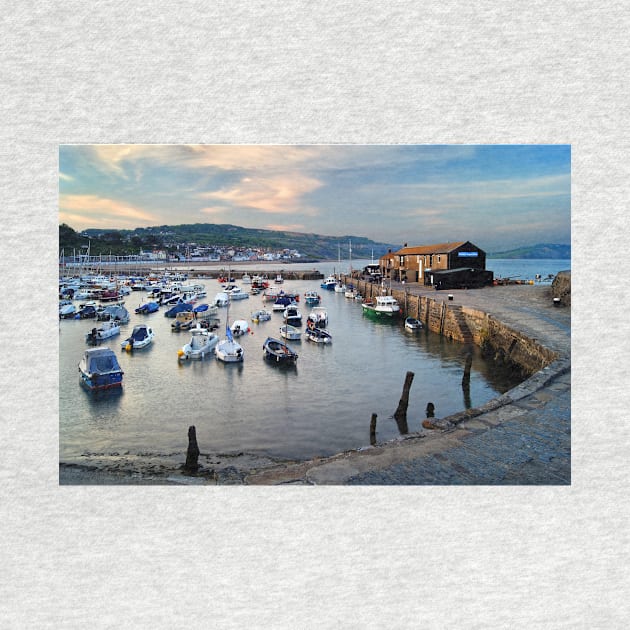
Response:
column 469, row 326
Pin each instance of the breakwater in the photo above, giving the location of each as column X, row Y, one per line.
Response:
column 468, row 326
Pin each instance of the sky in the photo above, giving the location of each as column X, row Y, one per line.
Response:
column 497, row 196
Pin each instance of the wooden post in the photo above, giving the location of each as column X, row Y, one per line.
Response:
column 373, row 430
column 192, row 454
column 467, row 366
column 401, row 412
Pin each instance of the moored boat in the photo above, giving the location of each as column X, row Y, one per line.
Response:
column 329, row 283
column 278, row 351
column 411, row 323
column 318, row 335
column 290, row 332
column 99, row 369
column 104, row 331
column 318, row 317
column 312, row 298
column 261, row 316
column 292, row 315
column 383, row 306
column 147, row 307
column 140, row 337
column 239, row 327
column 201, row 343
column 183, row 321
column 178, row 308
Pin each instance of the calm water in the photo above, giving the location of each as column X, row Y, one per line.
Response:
column 320, row 407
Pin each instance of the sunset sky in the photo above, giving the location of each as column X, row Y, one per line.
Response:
column 497, row 196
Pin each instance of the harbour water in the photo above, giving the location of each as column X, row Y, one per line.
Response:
column 320, row 407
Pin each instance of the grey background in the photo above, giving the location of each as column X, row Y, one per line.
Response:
column 305, row 72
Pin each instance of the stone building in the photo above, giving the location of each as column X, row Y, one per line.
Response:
column 411, row 264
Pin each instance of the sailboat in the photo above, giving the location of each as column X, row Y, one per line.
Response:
column 350, row 290
column 228, row 350
column 339, row 286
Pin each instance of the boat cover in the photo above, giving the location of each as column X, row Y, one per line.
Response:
column 101, row 361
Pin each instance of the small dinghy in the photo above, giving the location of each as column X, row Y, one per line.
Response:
column 411, row 323
column 318, row 335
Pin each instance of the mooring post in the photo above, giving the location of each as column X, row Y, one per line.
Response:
column 467, row 366
column 192, row 454
column 373, row 430
column 401, row 412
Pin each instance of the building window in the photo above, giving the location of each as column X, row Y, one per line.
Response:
column 402, row 261
column 439, row 258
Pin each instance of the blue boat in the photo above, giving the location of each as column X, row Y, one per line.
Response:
column 200, row 308
column 149, row 307
column 99, row 369
column 178, row 308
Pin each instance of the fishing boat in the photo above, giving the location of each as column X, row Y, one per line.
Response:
column 104, row 331
column 148, row 307
column 228, row 350
column 384, row 306
column 290, row 332
column 329, row 283
column 99, row 369
column 351, row 292
column 278, row 351
column 201, row 343
column 140, row 337
column 318, row 317
column 292, row 315
column 318, row 335
column 261, row 316
column 239, row 327
column 183, row 321
column 411, row 323
column 340, row 287
column 312, row 298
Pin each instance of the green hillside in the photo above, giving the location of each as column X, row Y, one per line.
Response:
column 313, row 246
column 540, row 251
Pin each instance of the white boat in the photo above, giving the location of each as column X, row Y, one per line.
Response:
column 201, row 343
column 67, row 311
column 411, row 323
column 279, row 279
column 384, row 306
column 292, row 315
column 290, row 332
column 140, row 337
column 228, row 350
column 235, row 292
column 340, row 287
column 99, row 369
column 318, row 335
column 351, row 292
column 246, row 279
column 239, row 327
column 318, row 316
column 221, row 299
column 261, row 316
column 104, row 331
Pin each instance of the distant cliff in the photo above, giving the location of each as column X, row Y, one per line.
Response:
column 542, row 250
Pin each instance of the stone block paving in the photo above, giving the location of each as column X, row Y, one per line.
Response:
column 532, row 447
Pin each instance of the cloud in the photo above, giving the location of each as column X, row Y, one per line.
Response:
column 95, row 211
column 65, row 178
column 275, row 195
column 295, row 227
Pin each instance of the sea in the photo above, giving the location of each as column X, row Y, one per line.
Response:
column 320, row 407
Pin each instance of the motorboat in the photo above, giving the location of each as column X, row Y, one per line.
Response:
column 383, row 306
column 221, row 299
column 67, row 311
column 140, row 337
column 115, row 313
column 147, row 307
column 201, row 343
column 239, row 327
column 104, row 331
column 329, row 283
column 318, row 316
column 183, row 321
column 351, row 292
column 279, row 279
column 281, row 303
column 87, row 311
column 312, row 298
column 292, row 315
column 178, row 308
column 99, row 369
column 278, row 351
column 340, row 287
column 235, row 292
column 290, row 332
column 261, row 316
column 411, row 323
column 318, row 335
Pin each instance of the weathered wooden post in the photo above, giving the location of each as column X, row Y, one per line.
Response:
column 401, row 412
column 192, row 454
column 373, row 430
column 466, row 381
